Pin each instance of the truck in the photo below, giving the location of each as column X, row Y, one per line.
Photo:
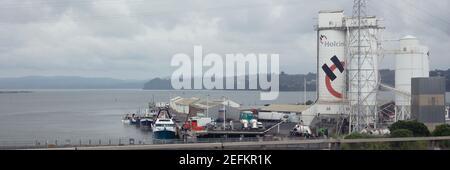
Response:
column 247, row 118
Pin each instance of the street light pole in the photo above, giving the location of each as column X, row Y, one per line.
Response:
column 207, row 105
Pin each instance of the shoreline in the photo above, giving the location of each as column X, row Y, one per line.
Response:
column 14, row 92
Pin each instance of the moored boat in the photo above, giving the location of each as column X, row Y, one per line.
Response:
column 134, row 119
column 126, row 119
column 146, row 120
column 164, row 126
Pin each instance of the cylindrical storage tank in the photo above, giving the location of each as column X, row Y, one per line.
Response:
column 331, row 56
column 410, row 62
column 367, row 65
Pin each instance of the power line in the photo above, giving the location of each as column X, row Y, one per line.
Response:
column 419, row 19
column 426, row 12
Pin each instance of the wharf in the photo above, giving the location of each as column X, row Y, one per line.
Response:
column 233, row 133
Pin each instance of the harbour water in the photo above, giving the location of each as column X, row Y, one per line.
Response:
column 96, row 114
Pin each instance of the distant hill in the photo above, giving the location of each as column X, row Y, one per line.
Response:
column 288, row 82
column 388, row 77
column 294, row 82
column 68, row 82
column 158, row 84
column 443, row 73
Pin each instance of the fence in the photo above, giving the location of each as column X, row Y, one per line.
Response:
column 416, row 143
column 124, row 141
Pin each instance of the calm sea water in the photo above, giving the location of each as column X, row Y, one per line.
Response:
column 96, row 114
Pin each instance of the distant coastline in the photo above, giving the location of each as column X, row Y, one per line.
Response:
column 14, row 92
column 296, row 82
column 288, row 82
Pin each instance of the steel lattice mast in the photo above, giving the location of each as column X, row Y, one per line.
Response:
column 363, row 77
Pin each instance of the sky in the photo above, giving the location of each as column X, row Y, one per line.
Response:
column 136, row 39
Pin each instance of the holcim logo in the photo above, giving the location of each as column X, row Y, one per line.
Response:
column 324, row 41
column 323, row 38
column 330, row 76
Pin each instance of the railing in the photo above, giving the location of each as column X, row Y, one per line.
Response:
column 70, row 143
column 242, row 143
column 61, row 143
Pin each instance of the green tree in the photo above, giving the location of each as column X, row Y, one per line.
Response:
column 442, row 130
column 404, row 133
column 401, row 133
column 418, row 129
column 363, row 146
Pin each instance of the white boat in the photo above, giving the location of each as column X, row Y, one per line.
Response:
column 164, row 126
column 126, row 119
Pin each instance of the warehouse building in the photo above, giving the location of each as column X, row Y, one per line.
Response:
column 428, row 101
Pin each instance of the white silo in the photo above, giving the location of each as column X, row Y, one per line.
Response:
column 363, row 75
column 411, row 61
column 331, row 36
column 331, row 73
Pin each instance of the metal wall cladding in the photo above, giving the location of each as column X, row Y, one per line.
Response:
column 432, row 85
column 231, row 112
column 428, row 114
column 428, row 99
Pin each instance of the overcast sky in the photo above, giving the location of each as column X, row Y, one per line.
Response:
column 136, row 39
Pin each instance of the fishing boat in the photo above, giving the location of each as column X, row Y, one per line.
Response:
column 134, row 119
column 146, row 120
column 126, row 119
column 149, row 116
column 164, row 126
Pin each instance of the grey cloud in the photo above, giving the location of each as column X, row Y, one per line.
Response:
column 136, row 38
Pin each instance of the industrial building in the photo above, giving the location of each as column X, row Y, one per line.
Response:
column 211, row 108
column 411, row 61
column 181, row 105
column 428, row 101
column 347, row 81
column 215, row 109
column 349, row 49
column 277, row 112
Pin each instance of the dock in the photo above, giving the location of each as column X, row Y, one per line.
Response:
column 233, row 133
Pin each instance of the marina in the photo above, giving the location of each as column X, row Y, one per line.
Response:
column 200, row 103
column 163, row 124
column 95, row 114
column 99, row 121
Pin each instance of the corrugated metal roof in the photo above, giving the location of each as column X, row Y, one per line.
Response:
column 212, row 103
column 285, row 108
column 331, row 11
column 202, row 105
column 186, row 101
column 244, row 108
